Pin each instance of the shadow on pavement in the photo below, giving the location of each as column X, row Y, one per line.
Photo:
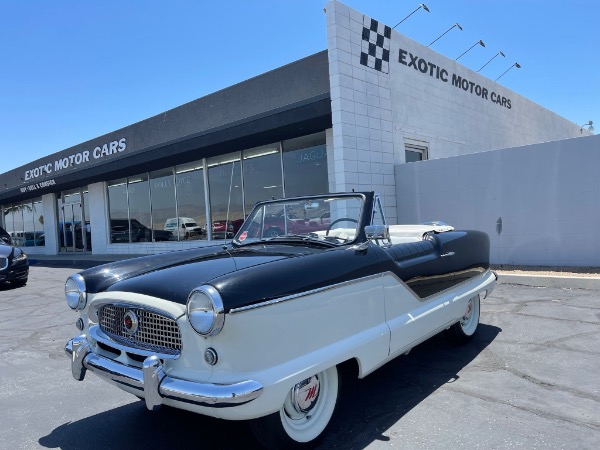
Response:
column 368, row 408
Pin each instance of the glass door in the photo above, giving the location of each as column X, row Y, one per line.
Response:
column 73, row 227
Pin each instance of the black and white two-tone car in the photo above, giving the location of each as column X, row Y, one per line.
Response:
column 259, row 328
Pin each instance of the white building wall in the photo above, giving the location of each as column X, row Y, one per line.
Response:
column 375, row 113
column 98, row 210
column 547, row 195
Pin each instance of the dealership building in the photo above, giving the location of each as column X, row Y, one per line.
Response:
column 342, row 119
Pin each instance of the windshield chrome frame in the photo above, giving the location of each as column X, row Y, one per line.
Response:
column 283, row 201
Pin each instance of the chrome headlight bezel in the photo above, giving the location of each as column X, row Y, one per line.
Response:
column 75, row 292
column 205, row 311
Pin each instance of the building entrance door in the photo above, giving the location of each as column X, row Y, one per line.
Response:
column 74, row 231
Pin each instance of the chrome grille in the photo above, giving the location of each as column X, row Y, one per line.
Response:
column 155, row 332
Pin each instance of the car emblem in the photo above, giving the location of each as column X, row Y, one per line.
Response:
column 130, row 323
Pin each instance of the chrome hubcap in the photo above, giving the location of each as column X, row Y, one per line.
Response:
column 468, row 313
column 305, row 394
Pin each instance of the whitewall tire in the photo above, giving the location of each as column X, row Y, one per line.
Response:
column 307, row 410
column 465, row 328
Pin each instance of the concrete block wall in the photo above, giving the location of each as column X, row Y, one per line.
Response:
column 363, row 149
column 547, row 196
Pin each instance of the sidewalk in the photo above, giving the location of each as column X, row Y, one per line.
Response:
column 75, row 260
column 558, row 277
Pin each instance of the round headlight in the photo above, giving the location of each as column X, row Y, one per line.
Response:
column 205, row 311
column 75, row 292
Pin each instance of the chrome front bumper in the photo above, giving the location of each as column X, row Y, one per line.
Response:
column 153, row 383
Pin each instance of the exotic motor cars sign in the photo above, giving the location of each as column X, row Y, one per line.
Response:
column 102, row 151
column 433, row 70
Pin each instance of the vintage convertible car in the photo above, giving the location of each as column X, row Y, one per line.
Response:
column 259, row 329
column 14, row 265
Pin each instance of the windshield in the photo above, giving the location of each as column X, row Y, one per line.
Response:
column 332, row 219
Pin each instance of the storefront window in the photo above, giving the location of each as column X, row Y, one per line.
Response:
column 38, row 223
column 262, row 175
column 9, row 219
column 118, row 211
column 171, row 204
column 164, row 213
column 140, row 219
column 226, row 202
column 191, row 204
column 305, row 165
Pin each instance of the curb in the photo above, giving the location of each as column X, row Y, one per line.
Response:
column 66, row 263
column 591, row 283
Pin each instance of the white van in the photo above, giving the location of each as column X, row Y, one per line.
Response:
column 185, row 228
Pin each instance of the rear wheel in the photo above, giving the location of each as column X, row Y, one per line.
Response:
column 464, row 330
column 304, row 416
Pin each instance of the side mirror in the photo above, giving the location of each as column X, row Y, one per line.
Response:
column 376, row 232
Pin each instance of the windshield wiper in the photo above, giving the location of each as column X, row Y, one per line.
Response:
column 311, row 237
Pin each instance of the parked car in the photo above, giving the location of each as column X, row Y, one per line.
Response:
column 14, row 265
column 259, row 329
column 184, row 227
column 226, row 229
column 119, row 232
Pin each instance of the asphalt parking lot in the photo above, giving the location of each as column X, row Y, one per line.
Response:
column 530, row 379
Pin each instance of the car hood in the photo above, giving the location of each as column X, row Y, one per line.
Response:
column 5, row 251
column 173, row 275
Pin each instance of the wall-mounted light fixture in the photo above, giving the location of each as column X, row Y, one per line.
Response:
column 422, row 5
column 444, row 33
column 517, row 65
column 479, row 42
column 590, row 126
column 499, row 53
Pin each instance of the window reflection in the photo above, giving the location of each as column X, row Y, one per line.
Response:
column 225, row 181
column 305, row 165
column 140, row 221
column 262, row 175
column 164, row 213
column 191, row 205
column 118, row 211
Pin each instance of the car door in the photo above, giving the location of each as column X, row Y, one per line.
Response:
column 416, row 300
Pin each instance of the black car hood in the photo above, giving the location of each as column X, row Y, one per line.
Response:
column 6, row 250
column 173, row 275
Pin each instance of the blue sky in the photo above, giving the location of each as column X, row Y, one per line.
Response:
column 73, row 70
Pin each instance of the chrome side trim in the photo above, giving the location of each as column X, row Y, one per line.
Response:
column 462, row 283
column 347, row 283
column 303, row 294
column 152, row 382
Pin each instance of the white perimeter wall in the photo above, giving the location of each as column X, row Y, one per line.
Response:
column 548, row 196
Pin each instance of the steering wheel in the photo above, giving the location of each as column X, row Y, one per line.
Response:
column 348, row 219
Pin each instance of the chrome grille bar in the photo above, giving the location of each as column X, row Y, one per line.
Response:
column 155, row 332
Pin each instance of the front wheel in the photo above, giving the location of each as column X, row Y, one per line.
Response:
column 462, row 331
column 304, row 416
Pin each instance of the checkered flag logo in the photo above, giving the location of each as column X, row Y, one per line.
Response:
column 375, row 52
